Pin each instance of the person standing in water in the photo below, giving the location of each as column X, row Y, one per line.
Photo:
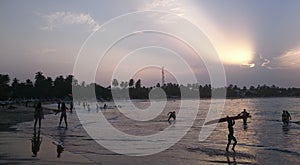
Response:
column 38, row 114
column 286, row 117
column 63, row 114
column 230, row 135
column 245, row 115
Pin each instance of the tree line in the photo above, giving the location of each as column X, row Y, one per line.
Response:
column 44, row 87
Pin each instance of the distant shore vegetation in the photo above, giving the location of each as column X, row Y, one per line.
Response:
column 44, row 87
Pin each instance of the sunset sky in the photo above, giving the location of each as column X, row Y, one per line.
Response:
column 258, row 42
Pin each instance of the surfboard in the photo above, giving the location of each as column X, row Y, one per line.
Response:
column 296, row 122
column 224, row 119
column 56, row 111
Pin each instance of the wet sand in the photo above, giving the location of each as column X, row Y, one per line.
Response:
column 15, row 149
column 15, row 145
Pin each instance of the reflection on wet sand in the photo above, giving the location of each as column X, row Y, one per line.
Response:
column 36, row 142
column 60, row 142
column 233, row 159
column 285, row 129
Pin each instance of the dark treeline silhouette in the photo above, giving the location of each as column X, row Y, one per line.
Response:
column 45, row 87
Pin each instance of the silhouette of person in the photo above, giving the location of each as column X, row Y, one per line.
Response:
column 63, row 114
column 245, row 115
column 230, row 135
column 172, row 115
column 284, row 117
column 38, row 114
column 35, row 143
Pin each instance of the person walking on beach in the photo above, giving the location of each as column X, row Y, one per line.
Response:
column 245, row 115
column 172, row 115
column 38, row 114
column 230, row 135
column 63, row 114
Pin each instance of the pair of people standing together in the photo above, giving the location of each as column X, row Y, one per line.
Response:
column 39, row 115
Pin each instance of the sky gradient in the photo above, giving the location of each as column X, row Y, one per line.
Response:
column 258, row 42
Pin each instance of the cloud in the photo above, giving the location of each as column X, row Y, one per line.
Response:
column 252, row 65
column 288, row 60
column 58, row 19
column 165, row 5
column 264, row 62
column 48, row 50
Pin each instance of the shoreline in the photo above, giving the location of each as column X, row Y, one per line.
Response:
column 11, row 117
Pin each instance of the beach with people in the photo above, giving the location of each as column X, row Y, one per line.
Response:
column 16, row 144
column 266, row 140
column 152, row 82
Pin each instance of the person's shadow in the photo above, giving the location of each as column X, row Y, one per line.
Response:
column 36, row 142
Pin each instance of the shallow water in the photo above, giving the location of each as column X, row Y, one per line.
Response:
column 264, row 141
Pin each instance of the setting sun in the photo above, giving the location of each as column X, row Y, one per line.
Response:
column 236, row 56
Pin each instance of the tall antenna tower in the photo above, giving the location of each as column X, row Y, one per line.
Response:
column 162, row 76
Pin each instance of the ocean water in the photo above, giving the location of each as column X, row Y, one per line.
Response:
column 265, row 140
